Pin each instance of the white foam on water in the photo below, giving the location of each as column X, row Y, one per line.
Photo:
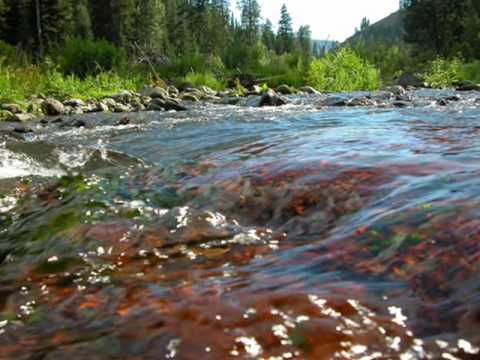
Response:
column 15, row 165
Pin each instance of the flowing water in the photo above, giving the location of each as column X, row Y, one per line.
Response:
column 235, row 232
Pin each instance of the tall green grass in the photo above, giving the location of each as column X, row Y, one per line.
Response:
column 21, row 83
column 207, row 79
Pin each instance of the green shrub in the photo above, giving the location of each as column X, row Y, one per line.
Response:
column 471, row 71
column 82, row 57
column 207, row 79
column 9, row 55
column 443, row 73
column 343, row 71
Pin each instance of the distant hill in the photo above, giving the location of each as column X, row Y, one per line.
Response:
column 322, row 46
column 390, row 29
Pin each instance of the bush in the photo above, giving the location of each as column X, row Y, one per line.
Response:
column 207, row 79
column 83, row 57
column 443, row 73
column 343, row 71
column 471, row 71
column 9, row 55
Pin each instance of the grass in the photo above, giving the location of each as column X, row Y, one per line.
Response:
column 206, row 79
column 21, row 83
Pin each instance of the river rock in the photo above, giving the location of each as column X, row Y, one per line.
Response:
column 173, row 91
column 110, row 103
column 231, row 100
column 467, row 86
column 360, row 101
column 453, row 98
column 207, row 91
column 309, row 90
column 123, row 97
column 52, row 107
column 20, row 129
column 166, row 104
column 24, row 117
column 410, row 80
column 154, row 92
column 5, row 114
column 396, row 90
column 271, row 98
column 119, row 108
column 333, row 101
column 74, row 102
column 285, row 90
column 13, row 108
column 401, row 104
column 190, row 97
column 255, row 90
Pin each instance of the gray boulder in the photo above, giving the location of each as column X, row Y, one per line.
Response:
column 52, row 107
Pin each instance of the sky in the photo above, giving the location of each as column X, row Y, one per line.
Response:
column 330, row 19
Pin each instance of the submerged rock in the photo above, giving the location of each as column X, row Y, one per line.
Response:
column 52, row 107
column 271, row 98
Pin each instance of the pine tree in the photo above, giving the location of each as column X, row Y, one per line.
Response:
column 3, row 20
column 285, row 38
column 304, row 38
column 250, row 19
column 82, row 21
column 149, row 25
column 268, row 36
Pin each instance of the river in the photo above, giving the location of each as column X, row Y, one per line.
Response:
column 296, row 232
